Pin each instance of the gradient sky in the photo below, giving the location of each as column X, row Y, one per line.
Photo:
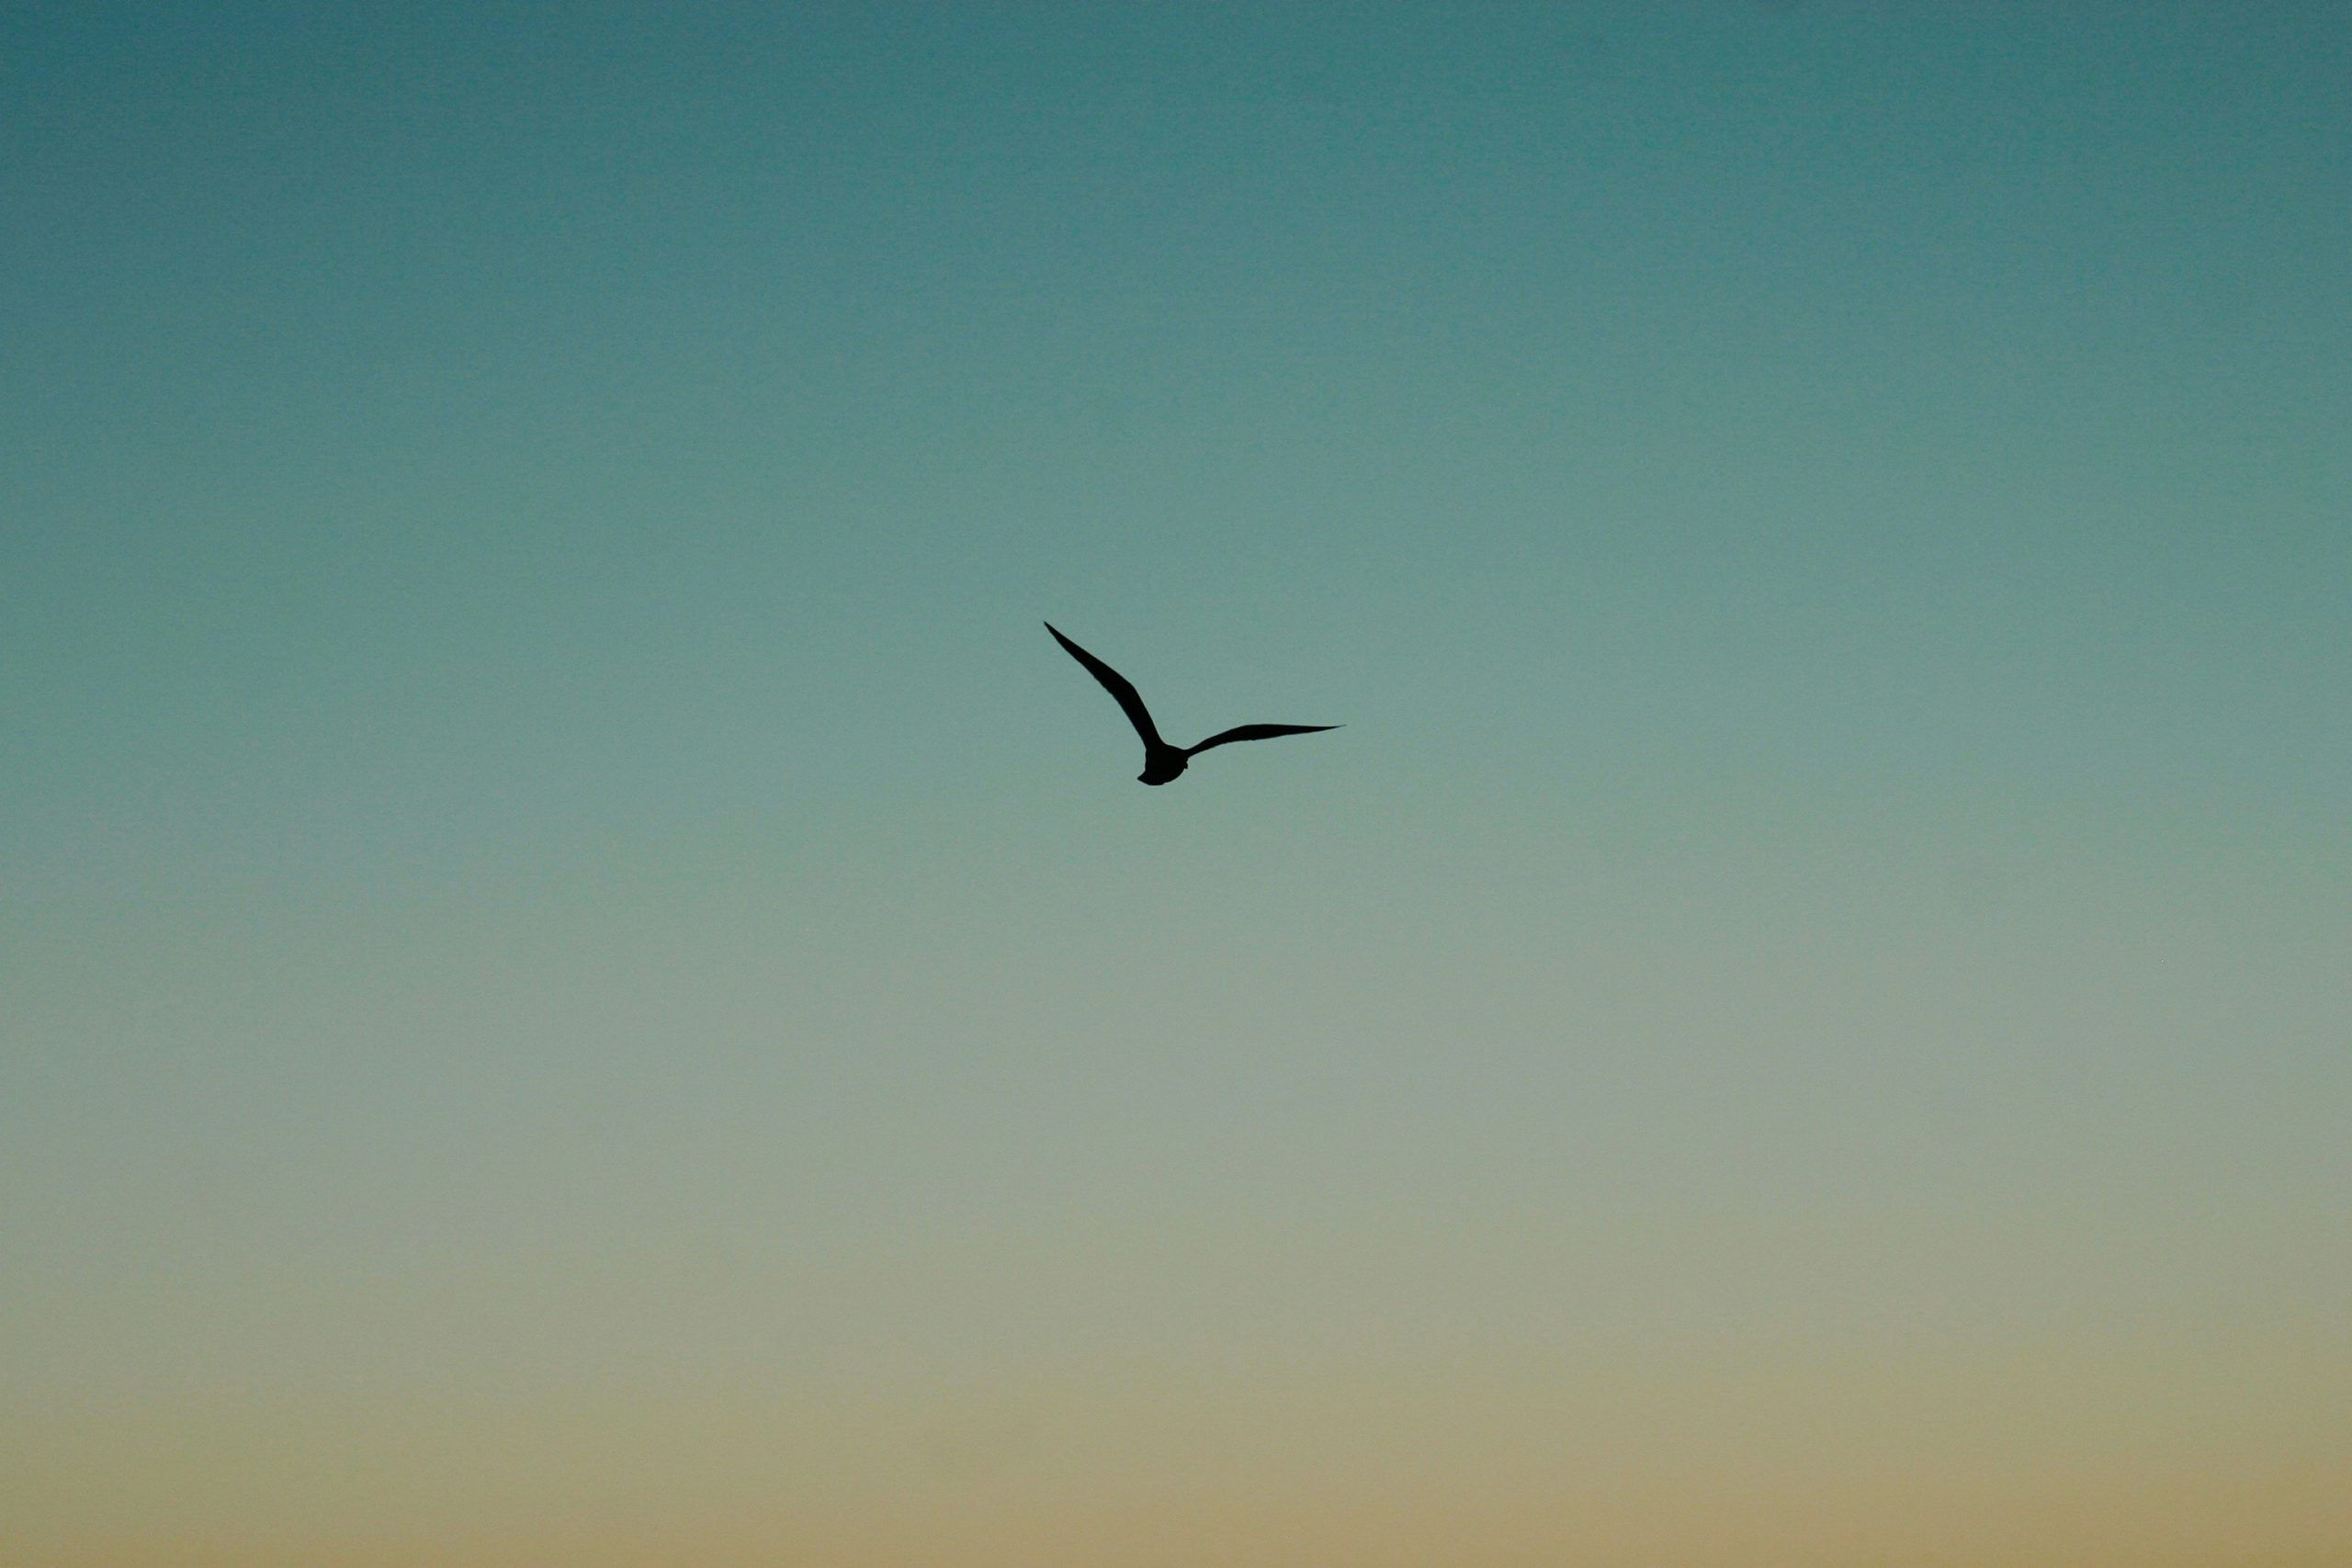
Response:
column 582, row 985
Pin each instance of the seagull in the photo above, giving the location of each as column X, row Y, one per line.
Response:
column 1161, row 762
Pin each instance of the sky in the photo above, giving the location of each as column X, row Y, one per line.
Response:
column 581, row 982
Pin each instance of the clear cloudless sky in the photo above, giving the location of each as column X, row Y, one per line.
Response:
column 582, row 986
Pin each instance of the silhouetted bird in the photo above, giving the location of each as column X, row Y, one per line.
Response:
column 1161, row 762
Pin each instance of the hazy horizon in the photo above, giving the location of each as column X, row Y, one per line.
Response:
column 581, row 982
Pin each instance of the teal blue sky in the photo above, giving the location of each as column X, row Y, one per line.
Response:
column 548, row 857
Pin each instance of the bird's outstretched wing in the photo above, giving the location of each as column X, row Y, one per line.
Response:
column 1117, row 685
column 1257, row 732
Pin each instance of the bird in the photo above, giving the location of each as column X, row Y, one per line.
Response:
column 1162, row 764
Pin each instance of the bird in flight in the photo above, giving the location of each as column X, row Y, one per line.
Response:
column 1161, row 762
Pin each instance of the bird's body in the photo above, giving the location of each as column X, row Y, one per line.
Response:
column 1163, row 764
